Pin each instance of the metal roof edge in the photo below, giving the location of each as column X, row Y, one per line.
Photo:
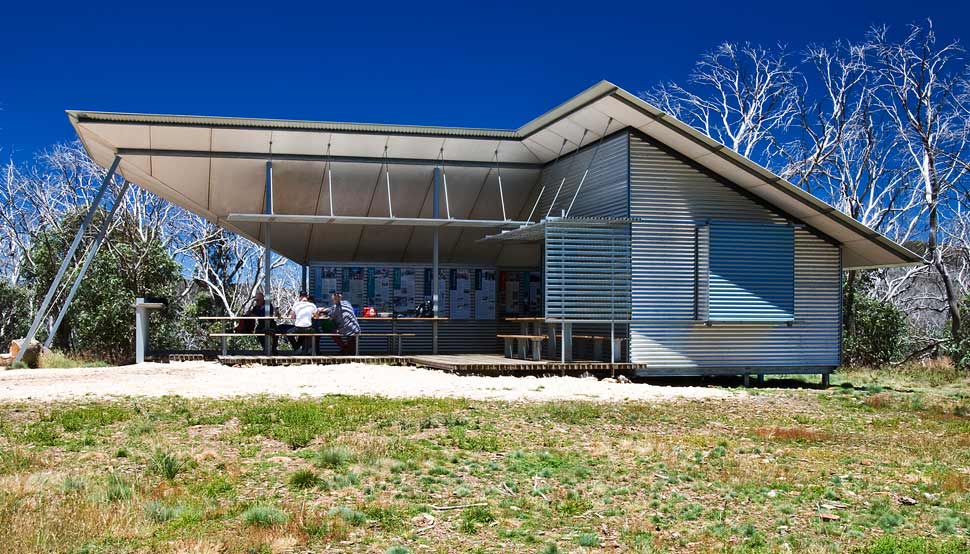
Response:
column 85, row 116
column 768, row 177
column 581, row 100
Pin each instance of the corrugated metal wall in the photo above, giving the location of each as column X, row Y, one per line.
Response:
column 604, row 192
column 673, row 198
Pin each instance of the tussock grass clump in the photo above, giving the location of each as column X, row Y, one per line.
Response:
column 73, row 484
column 167, row 464
column 398, row 550
column 795, row 434
column 159, row 512
column 350, row 515
column 116, row 488
column 474, row 517
column 589, row 540
column 264, row 516
column 334, row 457
column 303, row 479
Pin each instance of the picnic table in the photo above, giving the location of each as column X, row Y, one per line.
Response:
column 392, row 337
column 531, row 326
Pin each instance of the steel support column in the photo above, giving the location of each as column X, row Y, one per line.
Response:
column 92, row 250
column 49, row 297
column 268, row 252
column 434, row 264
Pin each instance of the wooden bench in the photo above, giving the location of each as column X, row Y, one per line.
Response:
column 391, row 339
column 598, row 343
column 523, row 341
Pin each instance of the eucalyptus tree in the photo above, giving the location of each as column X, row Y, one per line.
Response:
column 920, row 92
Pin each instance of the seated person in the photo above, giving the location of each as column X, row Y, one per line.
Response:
column 302, row 314
column 343, row 317
column 259, row 309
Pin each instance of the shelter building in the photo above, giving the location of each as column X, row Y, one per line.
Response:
column 603, row 216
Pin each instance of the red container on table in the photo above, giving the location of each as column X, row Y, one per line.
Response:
column 369, row 311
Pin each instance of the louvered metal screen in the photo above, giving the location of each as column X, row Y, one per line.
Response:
column 587, row 271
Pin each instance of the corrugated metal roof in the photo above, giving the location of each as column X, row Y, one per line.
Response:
column 542, row 138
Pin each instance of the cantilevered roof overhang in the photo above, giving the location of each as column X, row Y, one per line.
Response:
column 215, row 167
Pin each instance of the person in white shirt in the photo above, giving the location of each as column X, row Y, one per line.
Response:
column 302, row 313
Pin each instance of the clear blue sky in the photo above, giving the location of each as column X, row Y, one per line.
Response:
column 456, row 63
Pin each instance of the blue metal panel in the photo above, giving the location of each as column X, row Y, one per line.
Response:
column 751, row 272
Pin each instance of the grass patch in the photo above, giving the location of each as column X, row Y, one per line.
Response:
column 166, row 464
column 334, row 457
column 56, row 359
column 303, row 479
column 15, row 460
column 116, row 488
column 264, row 516
column 570, row 476
column 795, row 434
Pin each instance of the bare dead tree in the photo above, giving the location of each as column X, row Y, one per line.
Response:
column 919, row 86
column 739, row 94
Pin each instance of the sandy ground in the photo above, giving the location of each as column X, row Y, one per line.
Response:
column 210, row 379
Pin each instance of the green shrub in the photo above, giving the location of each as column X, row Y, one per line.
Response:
column 879, row 336
column 959, row 347
column 14, row 312
column 264, row 516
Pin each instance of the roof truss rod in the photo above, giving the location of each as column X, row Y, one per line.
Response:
column 324, row 158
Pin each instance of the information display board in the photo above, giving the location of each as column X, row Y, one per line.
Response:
column 465, row 293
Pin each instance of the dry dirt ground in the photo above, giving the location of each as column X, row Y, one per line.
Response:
column 213, row 380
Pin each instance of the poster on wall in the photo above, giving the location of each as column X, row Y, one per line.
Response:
column 535, row 293
column 381, row 291
column 460, row 294
column 404, row 289
column 355, row 286
column 520, row 293
column 484, row 294
column 327, row 283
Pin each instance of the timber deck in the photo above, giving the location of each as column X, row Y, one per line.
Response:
column 457, row 363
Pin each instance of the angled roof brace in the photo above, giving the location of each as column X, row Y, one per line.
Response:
column 589, row 166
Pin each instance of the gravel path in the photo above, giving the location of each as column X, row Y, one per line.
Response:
column 210, row 379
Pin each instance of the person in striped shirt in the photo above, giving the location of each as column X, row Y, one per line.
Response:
column 348, row 328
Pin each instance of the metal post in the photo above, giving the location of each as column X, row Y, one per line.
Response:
column 141, row 330
column 434, row 265
column 268, row 252
column 92, row 250
column 305, row 277
column 45, row 305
